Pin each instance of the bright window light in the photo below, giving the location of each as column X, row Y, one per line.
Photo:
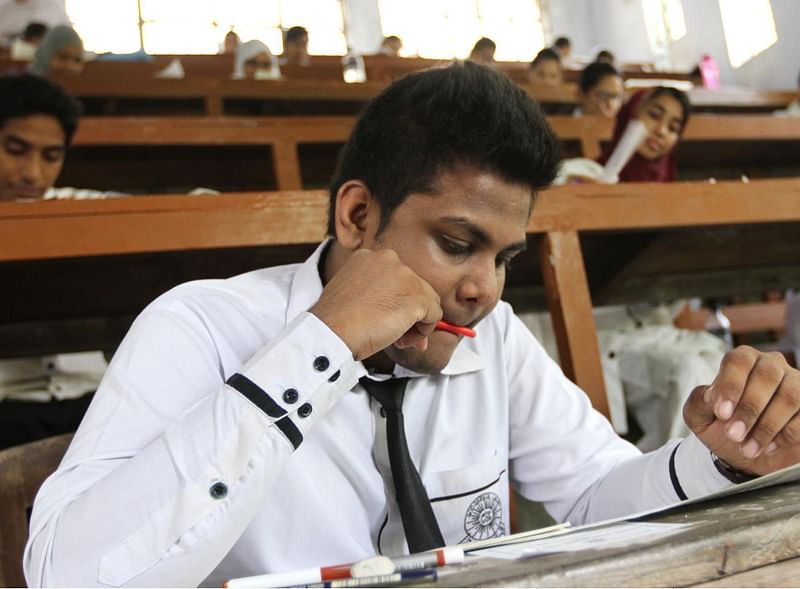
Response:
column 749, row 27
column 447, row 29
column 199, row 26
column 673, row 14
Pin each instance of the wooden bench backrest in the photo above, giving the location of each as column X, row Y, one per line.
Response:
column 23, row 469
column 48, row 230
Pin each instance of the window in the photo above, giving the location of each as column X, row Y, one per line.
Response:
column 665, row 23
column 199, row 26
column 749, row 28
column 446, row 29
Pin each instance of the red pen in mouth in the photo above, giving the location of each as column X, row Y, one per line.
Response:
column 456, row 329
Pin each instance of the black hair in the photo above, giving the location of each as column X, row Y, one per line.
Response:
column 23, row 95
column 593, row 73
column 562, row 42
column 678, row 95
column 484, row 43
column 391, row 38
column 431, row 121
column 545, row 55
column 34, row 30
column 295, row 34
column 606, row 56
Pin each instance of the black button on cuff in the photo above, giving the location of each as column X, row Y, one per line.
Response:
column 218, row 490
column 304, row 410
column 321, row 363
column 290, row 396
column 335, row 376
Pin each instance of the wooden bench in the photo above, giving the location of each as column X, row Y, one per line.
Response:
column 121, row 94
column 289, row 153
column 78, row 271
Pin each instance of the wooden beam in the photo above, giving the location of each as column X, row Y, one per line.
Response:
column 571, row 311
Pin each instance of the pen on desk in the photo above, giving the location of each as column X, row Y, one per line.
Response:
column 377, row 580
column 457, row 329
column 291, row 578
column 372, row 567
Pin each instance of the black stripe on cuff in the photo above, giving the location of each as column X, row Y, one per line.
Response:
column 673, row 476
column 290, row 430
column 256, row 395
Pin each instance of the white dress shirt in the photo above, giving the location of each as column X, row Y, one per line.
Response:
column 175, row 478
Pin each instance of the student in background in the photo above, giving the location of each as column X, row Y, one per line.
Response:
column 60, row 52
column 665, row 112
column 563, row 47
column 39, row 396
column 16, row 14
column 601, row 91
column 24, row 46
column 390, row 46
column 254, row 61
column 605, row 56
column 295, row 47
column 231, row 43
column 483, row 51
column 545, row 69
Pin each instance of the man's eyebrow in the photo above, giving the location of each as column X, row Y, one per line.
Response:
column 479, row 234
column 28, row 144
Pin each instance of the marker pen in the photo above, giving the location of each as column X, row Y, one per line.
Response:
column 378, row 580
column 291, row 578
column 457, row 329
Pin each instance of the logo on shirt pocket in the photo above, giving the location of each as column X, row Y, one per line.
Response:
column 484, row 518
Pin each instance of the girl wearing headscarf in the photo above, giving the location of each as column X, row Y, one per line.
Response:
column 59, row 52
column 254, row 61
column 664, row 112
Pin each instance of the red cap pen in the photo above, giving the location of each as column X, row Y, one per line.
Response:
column 457, row 329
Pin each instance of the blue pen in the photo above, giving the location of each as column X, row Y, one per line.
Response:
column 377, row 580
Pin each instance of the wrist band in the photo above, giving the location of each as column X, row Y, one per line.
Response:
column 731, row 473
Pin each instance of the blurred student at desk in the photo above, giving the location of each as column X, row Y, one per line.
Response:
column 320, row 413
column 39, row 396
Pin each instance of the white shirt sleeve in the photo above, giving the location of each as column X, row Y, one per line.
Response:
column 171, row 463
column 566, row 455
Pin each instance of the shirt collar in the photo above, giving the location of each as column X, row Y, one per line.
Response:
column 307, row 287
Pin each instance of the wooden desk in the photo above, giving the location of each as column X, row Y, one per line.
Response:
column 233, row 154
column 751, row 540
column 80, row 270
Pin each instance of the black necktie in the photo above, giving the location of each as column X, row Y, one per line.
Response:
column 419, row 523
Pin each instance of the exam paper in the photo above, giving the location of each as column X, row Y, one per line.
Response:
column 623, row 534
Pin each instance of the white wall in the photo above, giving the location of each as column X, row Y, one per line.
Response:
column 619, row 26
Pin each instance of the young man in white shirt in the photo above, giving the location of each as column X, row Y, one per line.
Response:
column 232, row 436
column 43, row 395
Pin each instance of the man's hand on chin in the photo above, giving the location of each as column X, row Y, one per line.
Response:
column 750, row 415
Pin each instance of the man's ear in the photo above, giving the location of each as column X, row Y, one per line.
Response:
column 356, row 214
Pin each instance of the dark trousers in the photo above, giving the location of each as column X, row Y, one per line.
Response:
column 24, row 421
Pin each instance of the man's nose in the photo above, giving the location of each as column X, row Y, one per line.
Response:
column 481, row 284
column 32, row 166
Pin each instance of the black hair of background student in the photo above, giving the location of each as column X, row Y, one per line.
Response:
column 34, row 32
column 430, row 121
column 605, row 56
column 544, row 55
column 23, row 95
column 562, row 43
column 484, row 43
column 593, row 73
column 295, row 34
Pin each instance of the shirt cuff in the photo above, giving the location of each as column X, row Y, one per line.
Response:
column 695, row 470
column 297, row 377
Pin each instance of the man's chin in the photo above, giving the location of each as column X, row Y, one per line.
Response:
column 431, row 361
